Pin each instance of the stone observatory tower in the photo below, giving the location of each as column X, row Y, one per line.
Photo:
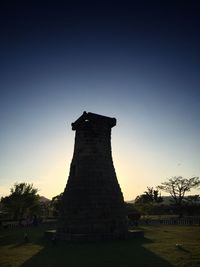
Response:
column 92, row 204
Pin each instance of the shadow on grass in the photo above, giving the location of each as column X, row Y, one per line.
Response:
column 14, row 238
column 126, row 253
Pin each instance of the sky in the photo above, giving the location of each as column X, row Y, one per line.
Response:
column 137, row 61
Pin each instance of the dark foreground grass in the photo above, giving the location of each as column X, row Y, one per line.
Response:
column 157, row 249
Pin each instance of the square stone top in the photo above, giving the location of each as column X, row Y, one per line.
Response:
column 93, row 118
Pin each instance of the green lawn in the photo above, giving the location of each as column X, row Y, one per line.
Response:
column 158, row 248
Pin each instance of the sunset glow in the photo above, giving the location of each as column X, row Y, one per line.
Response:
column 139, row 64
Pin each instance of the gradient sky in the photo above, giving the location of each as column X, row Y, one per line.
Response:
column 138, row 61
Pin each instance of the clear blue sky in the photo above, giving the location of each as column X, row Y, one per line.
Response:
column 136, row 62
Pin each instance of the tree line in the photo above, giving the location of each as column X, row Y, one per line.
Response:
column 25, row 202
column 151, row 201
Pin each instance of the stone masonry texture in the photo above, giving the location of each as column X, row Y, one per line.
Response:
column 92, row 204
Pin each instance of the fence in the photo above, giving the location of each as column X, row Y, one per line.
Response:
column 25, row 223
column 169, row 221
column 172, row 221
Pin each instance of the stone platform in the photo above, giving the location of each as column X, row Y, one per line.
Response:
column 132, row 234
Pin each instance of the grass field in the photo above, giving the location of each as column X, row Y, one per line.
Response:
column 157, row 249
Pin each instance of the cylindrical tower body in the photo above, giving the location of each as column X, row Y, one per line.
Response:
column 92, row 204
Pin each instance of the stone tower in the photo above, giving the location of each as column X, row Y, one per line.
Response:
column 92, row 205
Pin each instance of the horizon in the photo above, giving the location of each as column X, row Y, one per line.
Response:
column 137, row 62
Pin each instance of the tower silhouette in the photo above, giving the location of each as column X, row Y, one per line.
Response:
column 92, row 204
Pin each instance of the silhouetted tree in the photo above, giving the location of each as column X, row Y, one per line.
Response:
column 192, row 205
column 149, row 201
column 56, row 203
column 177, row 186
column 150, row 196
column 193, row 200
column 23, row 201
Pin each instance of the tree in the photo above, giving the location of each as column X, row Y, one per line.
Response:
column 149, row 196
column 177, row 186
column 23, row 201
column 192, row 205
column 149, row 201
column 56, row 204
column 193, row 200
